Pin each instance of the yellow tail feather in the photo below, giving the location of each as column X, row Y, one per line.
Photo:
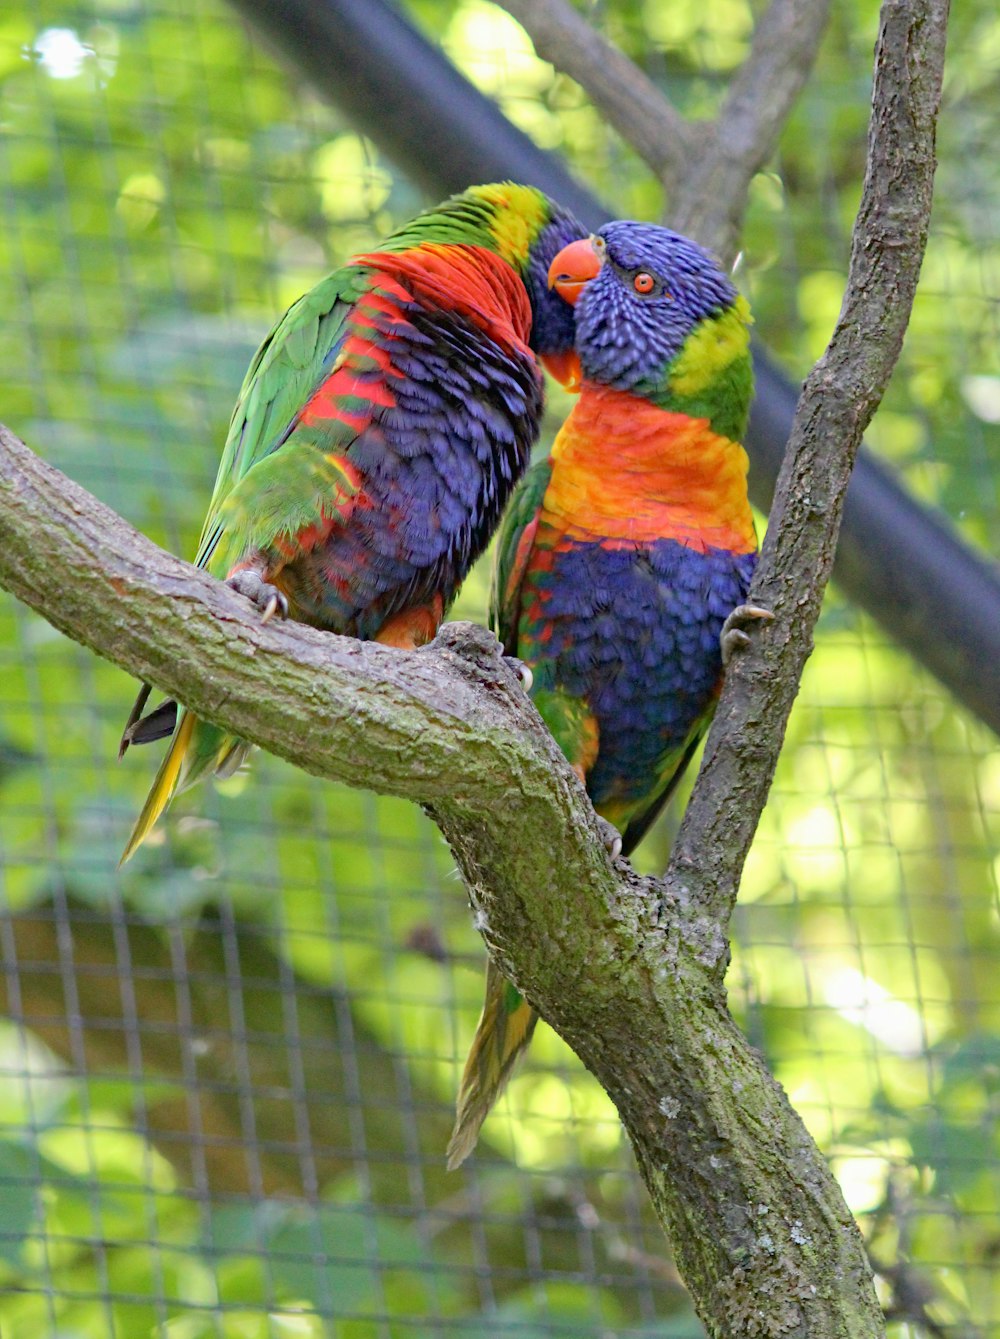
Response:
column 162, row 788
column 501, row 1036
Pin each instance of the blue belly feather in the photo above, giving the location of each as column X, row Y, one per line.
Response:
column 635, row 634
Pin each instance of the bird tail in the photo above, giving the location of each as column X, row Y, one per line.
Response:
column 163, row 787
column 195, row 749
column 503, row 1033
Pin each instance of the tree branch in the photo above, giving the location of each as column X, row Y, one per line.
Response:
column 630, row 975
column 95, row 985
column 630, row 100
column 705, row 169
column 629, row 970
column 392, row 721
column 838, row 399
column 711, row 198
column 112, row 993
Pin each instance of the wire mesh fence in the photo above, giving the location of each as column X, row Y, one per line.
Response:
column 228, row 1070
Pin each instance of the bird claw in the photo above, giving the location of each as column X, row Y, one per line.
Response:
column 272, row 606
column 733, row 638
column 612, row 839
column 268, row 599
column 521, row 670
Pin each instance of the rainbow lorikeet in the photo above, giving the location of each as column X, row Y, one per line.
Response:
column 624, row 554
column 381, row 428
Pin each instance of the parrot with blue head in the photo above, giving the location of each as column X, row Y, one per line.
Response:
column 380, row 430
column 624, row 560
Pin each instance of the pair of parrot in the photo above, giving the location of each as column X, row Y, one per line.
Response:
column 386, row 422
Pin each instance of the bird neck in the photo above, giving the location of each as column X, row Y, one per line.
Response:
column 624, row 469
column 711, row 376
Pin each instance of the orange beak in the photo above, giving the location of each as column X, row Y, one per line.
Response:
column 573, row 268
column 565, row 367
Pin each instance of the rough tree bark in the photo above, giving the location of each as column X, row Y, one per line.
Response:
column 629, row 970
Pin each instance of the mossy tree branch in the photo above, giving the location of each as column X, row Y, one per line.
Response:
column 629, row 970
column 630, row 973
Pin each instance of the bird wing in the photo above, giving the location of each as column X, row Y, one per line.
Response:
column 637, row 827
column 513, row 553
column 276, row 470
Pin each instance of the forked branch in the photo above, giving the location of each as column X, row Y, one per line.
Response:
column 615, row 84
column 706, row 168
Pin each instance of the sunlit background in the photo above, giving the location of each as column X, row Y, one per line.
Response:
column 224, row 1107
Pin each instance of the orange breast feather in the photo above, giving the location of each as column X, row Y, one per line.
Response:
column 626, row 471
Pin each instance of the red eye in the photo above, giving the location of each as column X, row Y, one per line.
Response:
column 643, row 282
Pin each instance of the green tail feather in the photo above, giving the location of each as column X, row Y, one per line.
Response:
column 503, row 1033
column 195, row 749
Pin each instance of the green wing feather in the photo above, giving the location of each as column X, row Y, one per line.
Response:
column 513, row 552
column 505, row 1029
column 252, row 500
column 289, row 366
column 277, row 474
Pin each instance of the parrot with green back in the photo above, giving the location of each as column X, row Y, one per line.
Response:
column 624, row 560
column 380, row 430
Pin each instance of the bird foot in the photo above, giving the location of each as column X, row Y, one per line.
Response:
column 521, row 670
column 733, row 637
column 268, row 599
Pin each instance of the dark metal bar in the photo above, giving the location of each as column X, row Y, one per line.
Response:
column 897, row 559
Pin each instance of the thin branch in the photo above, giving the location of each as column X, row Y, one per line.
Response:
column 838, row 399
column 706, row 168
column 711, row 198
column 630, row 100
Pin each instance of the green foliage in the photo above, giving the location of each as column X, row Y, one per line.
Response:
column 168, row 189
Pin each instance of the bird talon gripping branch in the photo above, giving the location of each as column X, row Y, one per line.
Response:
column 612, row 841
column 249, row 582
column 522, row 671
column 734, row 637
